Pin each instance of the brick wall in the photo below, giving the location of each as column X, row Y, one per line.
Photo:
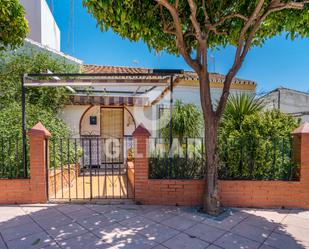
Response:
column 131, row 174
column 232, row 193
column 264, row 194
column 33, row 190
column 15, row 191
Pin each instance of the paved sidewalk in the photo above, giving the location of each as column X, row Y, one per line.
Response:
column 159, row 227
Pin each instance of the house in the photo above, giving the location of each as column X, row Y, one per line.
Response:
column 292, row 102
column 117, row 110
column 113, row 107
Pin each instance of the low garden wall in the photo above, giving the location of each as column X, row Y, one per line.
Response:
column 232, row 193
column 33, row 189
column 170, row 192
column 15, row 191
column 264, row 194
column 235, row 193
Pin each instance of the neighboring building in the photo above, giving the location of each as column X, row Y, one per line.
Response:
column 292, row 102
column 44, row 35
column 118, row 109
column 43, row 27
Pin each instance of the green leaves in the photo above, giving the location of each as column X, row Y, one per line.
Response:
column 13, row 24
column 13, row 65
column 146, row 20
column 257, row 146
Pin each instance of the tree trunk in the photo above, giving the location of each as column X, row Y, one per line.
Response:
column 211, row 201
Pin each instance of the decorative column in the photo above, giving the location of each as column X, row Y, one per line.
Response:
column 301, row 151
column 141, row 146
column 38, row 140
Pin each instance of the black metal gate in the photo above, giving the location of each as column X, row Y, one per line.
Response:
column 90, row 168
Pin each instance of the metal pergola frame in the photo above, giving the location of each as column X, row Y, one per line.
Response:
column 96, row 79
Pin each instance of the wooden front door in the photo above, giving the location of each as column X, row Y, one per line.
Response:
column 112, row 134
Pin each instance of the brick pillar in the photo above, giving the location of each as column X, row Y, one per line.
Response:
column 301, row 150
column 38, row 139
column 140, row 136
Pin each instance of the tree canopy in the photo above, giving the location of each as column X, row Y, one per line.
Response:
column 13, row 24
column 222, row 20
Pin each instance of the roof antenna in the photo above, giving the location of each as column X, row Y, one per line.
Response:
column 213, row 59
column 135, row 62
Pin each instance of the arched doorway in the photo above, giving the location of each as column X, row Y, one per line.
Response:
column 103, row 146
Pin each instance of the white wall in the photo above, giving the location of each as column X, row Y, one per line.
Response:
column 147, row 116
column 43, row 27
column 33, row 15
column 188, row 94
column 50, row 31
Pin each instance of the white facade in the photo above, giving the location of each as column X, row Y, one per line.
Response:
column 78, row 116
column 289, row 101
column 43, row 27
column 192, row 94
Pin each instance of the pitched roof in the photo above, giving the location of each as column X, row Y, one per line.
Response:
column 113, row 69
column 285, row 89
column 188, row 75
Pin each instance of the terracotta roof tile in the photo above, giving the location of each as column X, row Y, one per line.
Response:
column 113, row 69
column 188, row 75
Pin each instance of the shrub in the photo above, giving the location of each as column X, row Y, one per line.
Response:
column 260, row 148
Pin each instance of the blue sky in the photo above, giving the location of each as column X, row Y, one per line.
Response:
column 279, row 62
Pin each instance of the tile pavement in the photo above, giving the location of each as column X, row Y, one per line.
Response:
column 73, row 226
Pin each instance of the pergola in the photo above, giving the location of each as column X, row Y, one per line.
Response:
column 146, row 81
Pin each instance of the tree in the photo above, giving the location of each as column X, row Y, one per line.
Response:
column 13, row 24
column 187, row 121
column 190, row 28
column 13, row 65
column 42, row 103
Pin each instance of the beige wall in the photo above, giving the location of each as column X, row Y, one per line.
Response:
column 128, row 122
column 71, row 115
column 145, row 116
column 86, row 128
